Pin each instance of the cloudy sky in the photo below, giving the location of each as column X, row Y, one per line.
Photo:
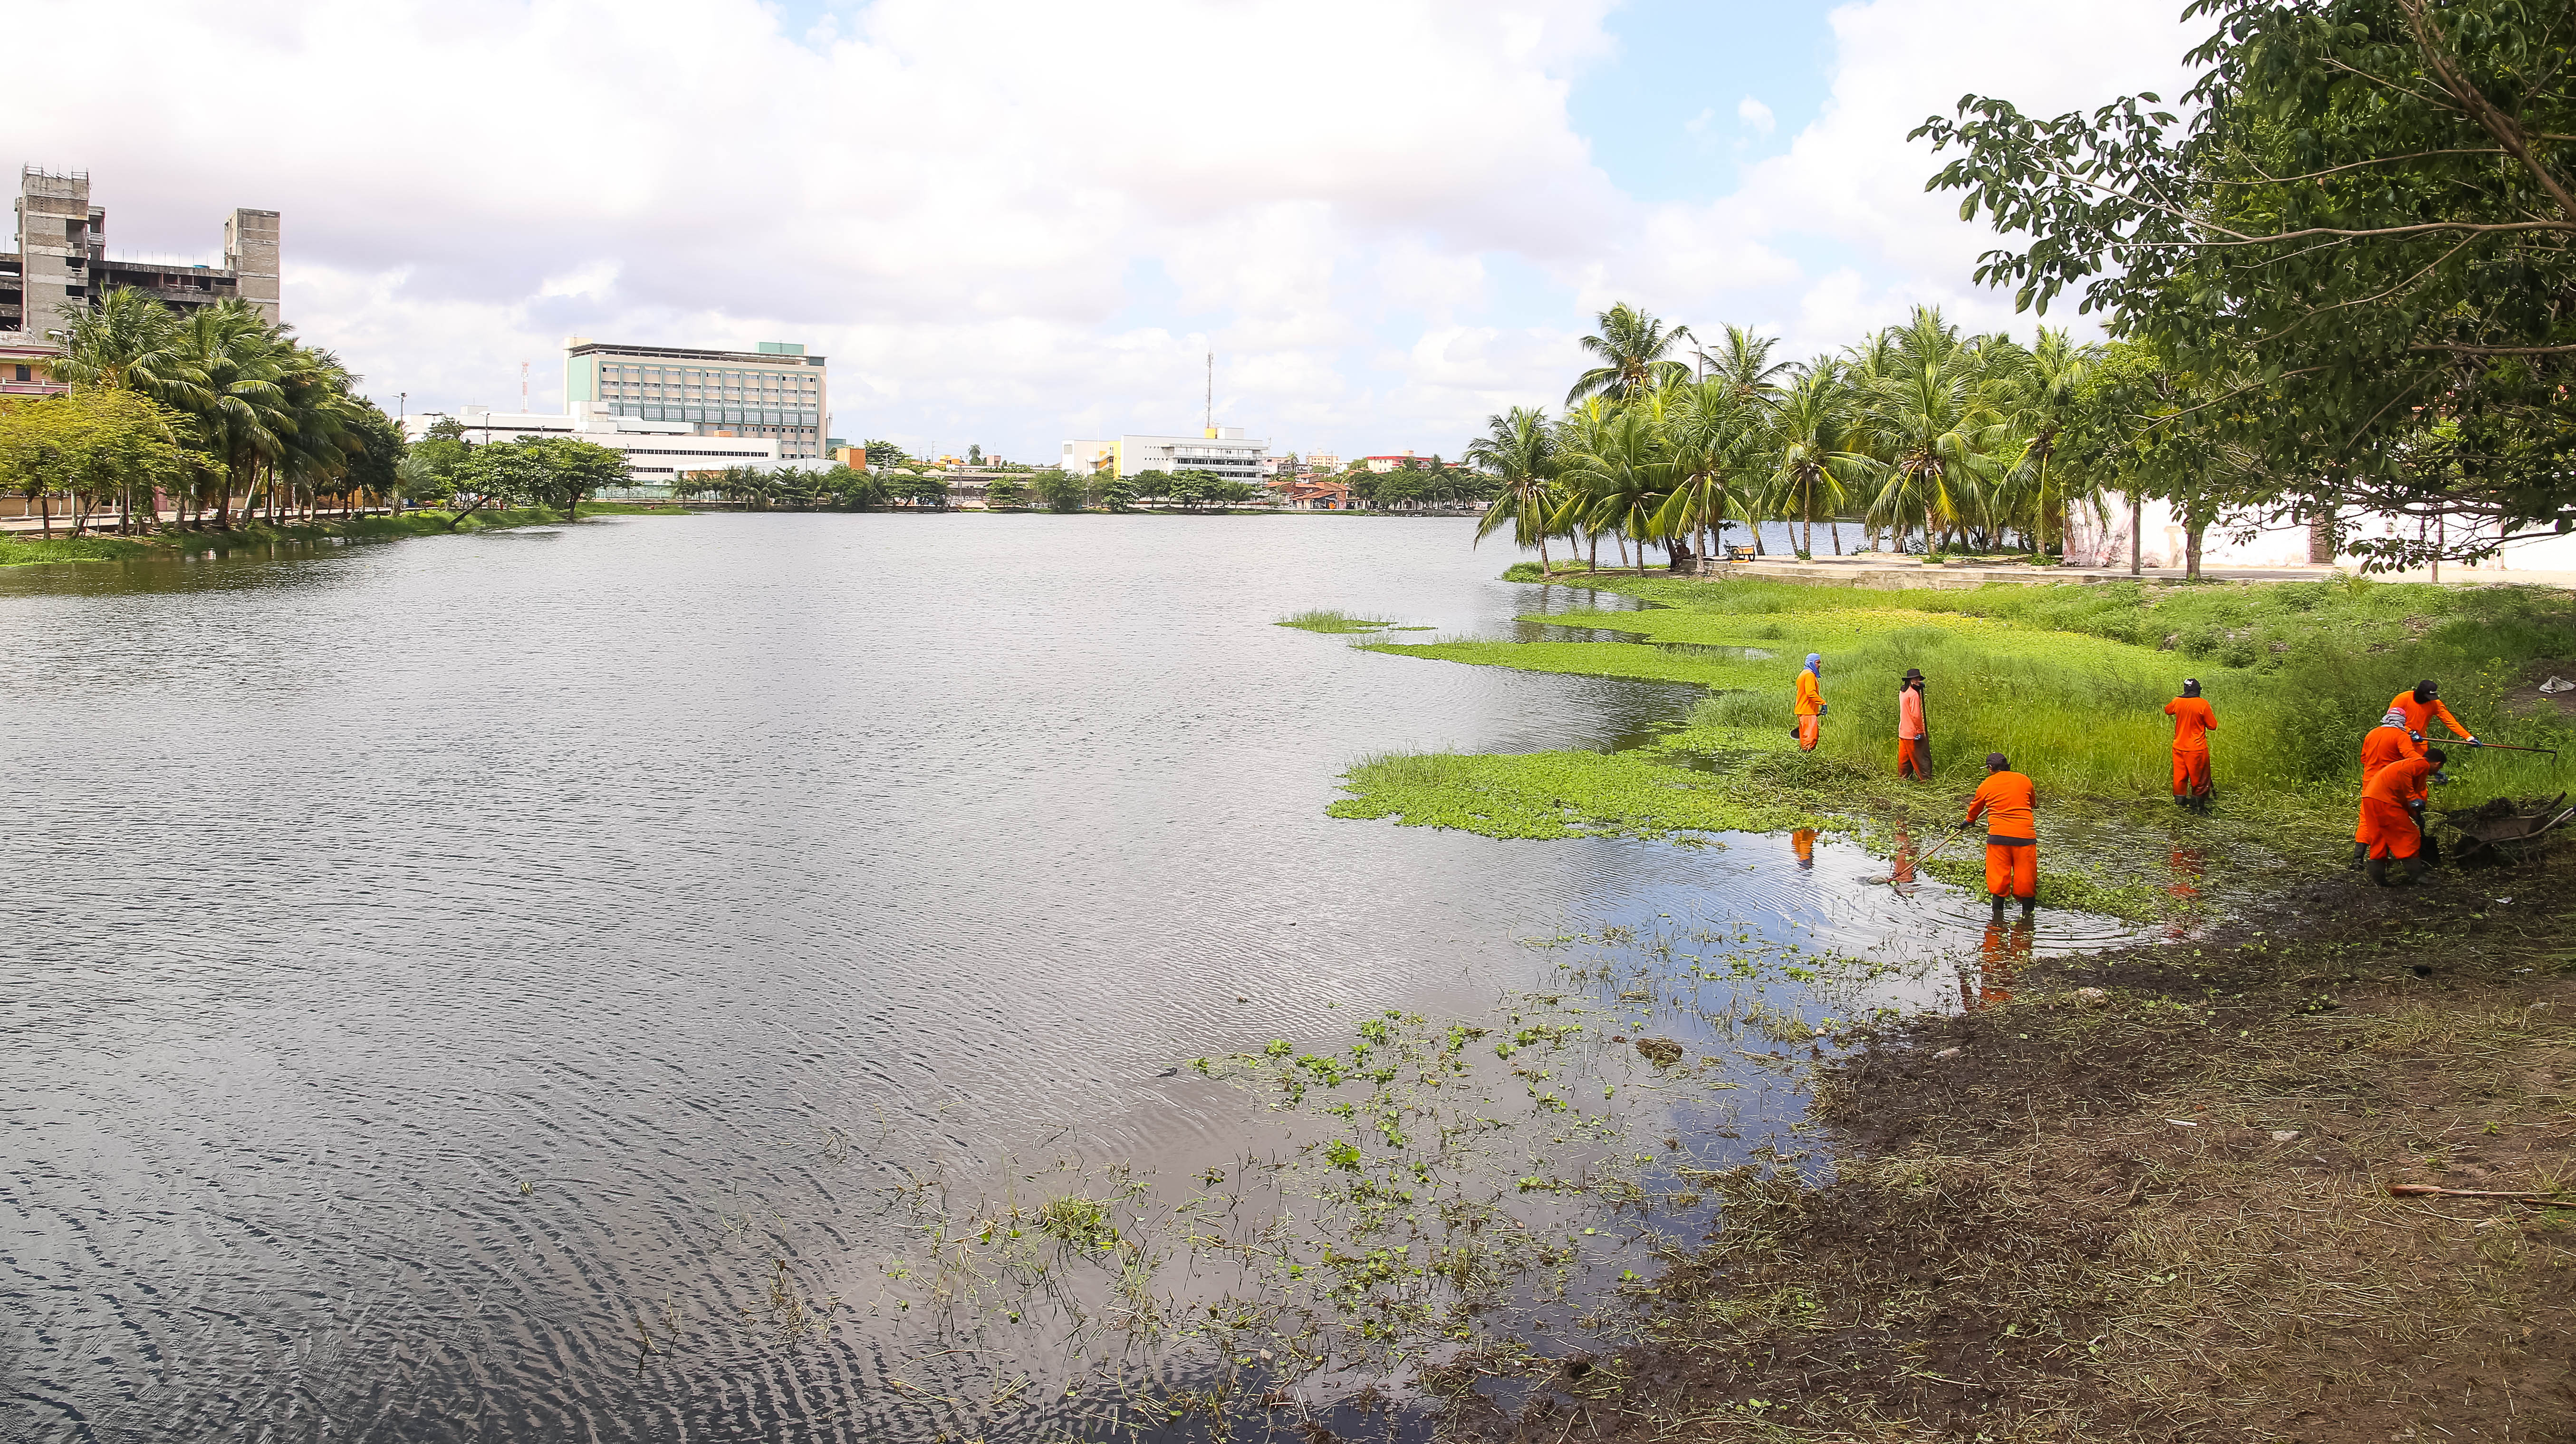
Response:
column 1016, row 221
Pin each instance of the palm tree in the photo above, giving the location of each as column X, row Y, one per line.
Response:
column 317, row 432
column 1743, row 361
column 2045, row 396
column 1934, row 424
column 239, row 407
column 1519, row 450
column 129, row 342
column 1809, row 427
column 1710, row 430
column 1619, row 481
column 1632, row 346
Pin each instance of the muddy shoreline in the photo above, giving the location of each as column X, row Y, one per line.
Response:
column 2160, row 1212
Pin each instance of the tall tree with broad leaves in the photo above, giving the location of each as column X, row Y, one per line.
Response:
column 2367, row 223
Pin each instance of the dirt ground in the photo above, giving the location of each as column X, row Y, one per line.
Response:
column 2162, row 1212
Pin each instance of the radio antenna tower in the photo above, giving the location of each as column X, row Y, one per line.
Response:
column 1210, row 421
column 523, row 386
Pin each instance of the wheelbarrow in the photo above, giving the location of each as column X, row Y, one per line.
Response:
column 2506, row 831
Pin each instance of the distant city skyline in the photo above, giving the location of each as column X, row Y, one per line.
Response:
column 1415, row 243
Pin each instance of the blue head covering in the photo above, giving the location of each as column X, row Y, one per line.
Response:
column 1815, row 661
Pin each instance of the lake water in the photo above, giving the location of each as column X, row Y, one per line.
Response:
column 420, row 953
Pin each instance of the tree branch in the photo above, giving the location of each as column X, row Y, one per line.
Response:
column 2462, row 348
column 2494, row 121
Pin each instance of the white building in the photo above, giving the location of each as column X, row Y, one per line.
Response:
column 657, row 452
column 1221, row 450
column 2232, row 542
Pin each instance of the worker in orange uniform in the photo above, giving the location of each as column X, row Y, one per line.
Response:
column 2391, row 741
column 2193, row 722
column 2392, row 814
column 2422, row 704
column 2009, row 804
column 1913, row 734
column 1811, row 702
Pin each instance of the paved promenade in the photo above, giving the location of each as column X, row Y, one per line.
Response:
column 1887, row 571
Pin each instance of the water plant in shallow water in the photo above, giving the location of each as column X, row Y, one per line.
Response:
column 1327, row 620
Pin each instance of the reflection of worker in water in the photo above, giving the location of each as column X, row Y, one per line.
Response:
column 1803, row 843
column 1811, row 702
column 2187, row 865
column 2193, row 722
column 1999, row 958
column 1900, row 868
column 1913, row 735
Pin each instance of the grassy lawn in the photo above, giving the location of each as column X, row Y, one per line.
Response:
column 2069, row 681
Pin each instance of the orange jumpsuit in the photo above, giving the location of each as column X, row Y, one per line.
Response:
column 2193, row 722
column 1811, row 710
column 2387, row 827
column 2010, row 805
column 1913, row 746
column 2420, row 715
column 2386, row 743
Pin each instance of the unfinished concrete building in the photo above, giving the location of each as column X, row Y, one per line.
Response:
column 62, row 264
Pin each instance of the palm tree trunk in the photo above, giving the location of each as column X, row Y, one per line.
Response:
column 1834, row 525
column 1595, row 538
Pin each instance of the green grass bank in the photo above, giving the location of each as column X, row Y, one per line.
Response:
column 23, row 550
column 2069, row 681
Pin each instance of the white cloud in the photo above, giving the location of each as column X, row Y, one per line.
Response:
column 1009, row 221
column 1836, row 233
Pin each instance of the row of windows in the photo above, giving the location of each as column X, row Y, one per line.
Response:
column 738, row 415
column 697, row 376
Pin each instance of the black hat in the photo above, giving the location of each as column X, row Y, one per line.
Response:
column 2191, row 686
column 2426, row 690
column 1913, row 674
column 1996, row 762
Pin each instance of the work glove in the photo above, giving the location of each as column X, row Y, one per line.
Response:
column 2473, row 742
column 2438, row 778
column 1822, row 708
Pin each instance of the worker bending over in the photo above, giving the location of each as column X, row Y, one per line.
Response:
column 2193, row 722
column 2391, row 741
column 1811, row 702
column 2424, row 703
column 2392, row 814
column 1913, row 735
column 2009, row 804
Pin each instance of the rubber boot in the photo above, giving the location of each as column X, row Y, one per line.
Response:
column 2029, row 905
column 1999, row 907
column 2360, row 853
column 2415, row 867
column 2376, row 871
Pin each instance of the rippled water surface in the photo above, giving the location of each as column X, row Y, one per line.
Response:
column 420, row 953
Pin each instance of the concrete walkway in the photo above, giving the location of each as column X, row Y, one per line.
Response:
column 1889, row 572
